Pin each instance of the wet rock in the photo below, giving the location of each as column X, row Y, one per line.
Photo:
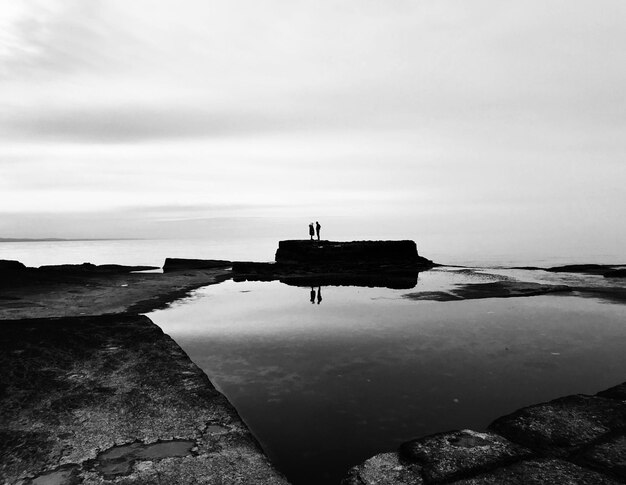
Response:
column 616, row 392
column 595, row 269
column 540, row 472
column 609, row 455
column 179, row 264
column 495, row 289
column 387, row 469
column 454, row 454
column 564, row 425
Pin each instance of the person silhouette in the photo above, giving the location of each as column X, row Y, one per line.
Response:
column 317, row 229
column 319, row 295
column 311, row 231
column 312, row 295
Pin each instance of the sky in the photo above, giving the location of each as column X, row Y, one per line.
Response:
column 499, row 126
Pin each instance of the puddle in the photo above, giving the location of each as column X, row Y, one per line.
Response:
column 120, row 459
column 57, row 477
column 216, row 429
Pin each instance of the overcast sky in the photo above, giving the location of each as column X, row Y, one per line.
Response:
column 455, row 119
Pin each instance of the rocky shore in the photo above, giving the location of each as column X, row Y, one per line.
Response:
column 576, row 439
column 93, row 392
column 93, row 399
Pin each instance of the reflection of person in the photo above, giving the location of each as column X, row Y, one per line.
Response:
column 319, row 295
column 311, row 231
column 317, row 229
column 312, row 295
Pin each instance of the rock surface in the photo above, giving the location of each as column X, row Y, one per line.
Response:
column 391, row 264
column 540, row 472
column 571, row 440
column 33, row 293
column 87, row 268
column 386, row 468
column 563, row 426
column 352, row 252
column 73, row 390
column 495, row 289
column 178, row 264
column 445, row 456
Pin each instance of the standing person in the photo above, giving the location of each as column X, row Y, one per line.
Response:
column 317, row 229
column 312, row 295
column 311, row 231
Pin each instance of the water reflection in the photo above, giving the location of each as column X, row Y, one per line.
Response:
column 318, row 293
column 323, row 390
column 395, row 280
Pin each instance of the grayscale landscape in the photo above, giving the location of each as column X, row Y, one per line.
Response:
column 312, row 243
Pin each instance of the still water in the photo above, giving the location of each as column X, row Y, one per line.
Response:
column 325, row 381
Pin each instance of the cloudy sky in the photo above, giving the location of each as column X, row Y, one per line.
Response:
column 437, row 120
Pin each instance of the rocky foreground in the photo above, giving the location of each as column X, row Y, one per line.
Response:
column 92, row 392
column 106, row 399
column 576, row 439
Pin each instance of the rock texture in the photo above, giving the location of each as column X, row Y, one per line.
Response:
column 576, row 439
column 108, row 399
column 445, row 456
column 36, row 293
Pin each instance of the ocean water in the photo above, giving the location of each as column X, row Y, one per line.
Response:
column 153, row 252
column 327, row 377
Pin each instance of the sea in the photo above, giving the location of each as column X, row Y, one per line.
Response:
column 325, row 377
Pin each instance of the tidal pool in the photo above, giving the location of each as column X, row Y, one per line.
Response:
column 326, row 382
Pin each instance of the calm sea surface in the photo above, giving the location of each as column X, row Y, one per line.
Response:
column 326, row 377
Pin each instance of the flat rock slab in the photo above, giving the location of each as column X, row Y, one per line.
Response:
column 111, row 398
column 42, row 294
column 609, row 455
column 387, row 469
column 494, row 289
column 454, row 454
column 349, row 252
column 540, row 472
column 564, row 425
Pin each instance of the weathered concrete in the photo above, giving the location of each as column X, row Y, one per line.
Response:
column 349, row 252
column 73, row 389
column 391, row 264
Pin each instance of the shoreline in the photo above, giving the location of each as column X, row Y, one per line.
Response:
column 110, row 302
